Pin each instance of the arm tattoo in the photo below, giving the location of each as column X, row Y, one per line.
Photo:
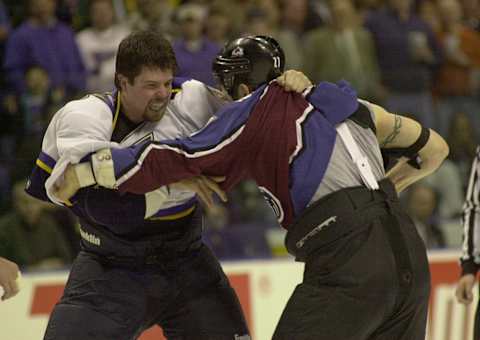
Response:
column 396, row 130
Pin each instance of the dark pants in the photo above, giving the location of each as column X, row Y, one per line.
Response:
column 191, row 299
column 372, row 284
column 476, row 325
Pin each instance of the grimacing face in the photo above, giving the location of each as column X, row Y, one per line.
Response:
column 146, row 99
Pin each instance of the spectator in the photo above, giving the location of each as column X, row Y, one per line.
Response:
column 346, row 51
column 42, row 40
column 407, row 53
column 5, row 27
column 9, row 137
column 461, row 139
column 259, row 22
column 422, row 202
column 243, row 229
column 36, row 105
column 365, row 7
column 98, row 45
column 193, row 50
column 458, row 82
column 298, row 16
column 447, row 181
column 8, row 129
column 288, row 28
column 218, row 26
column 272, row 8
column 428, row 12
column 471, row 10
column 241, row 241
column 68, row 12
column 295, row 20
column 16, row 10
column 247, row 205
column 30, row 237
column 244, row 238
column 154, row 15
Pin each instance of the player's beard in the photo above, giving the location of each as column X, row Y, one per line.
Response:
column 155, row 110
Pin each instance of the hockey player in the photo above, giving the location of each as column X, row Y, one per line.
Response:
column 142, row 260
column 316, row 158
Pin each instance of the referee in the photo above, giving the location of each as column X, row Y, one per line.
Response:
column 470, row 260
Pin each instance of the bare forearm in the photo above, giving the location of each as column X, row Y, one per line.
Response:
column 432, row 155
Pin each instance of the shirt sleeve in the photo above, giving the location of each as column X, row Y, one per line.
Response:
column 217, row 149
column 78, row 129
column 470, row 259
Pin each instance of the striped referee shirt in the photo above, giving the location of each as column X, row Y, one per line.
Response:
column 470, row 259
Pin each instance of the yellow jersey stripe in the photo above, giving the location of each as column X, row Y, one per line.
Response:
column 174, row 216
column 43, row 166
column 48, row 169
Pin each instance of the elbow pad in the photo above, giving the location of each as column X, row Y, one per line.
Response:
column 410, row 152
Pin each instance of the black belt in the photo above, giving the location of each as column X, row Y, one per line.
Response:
column 336, row 215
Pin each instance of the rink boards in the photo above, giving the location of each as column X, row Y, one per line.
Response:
column 263, row 288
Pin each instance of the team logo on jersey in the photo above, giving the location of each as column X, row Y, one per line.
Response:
column 237, row 52
column 90, row 238
column 273, row 202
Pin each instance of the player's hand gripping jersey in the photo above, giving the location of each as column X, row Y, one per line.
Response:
column 279, row 139
column 95, row 122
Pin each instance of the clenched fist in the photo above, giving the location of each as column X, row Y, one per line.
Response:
column 295, row 81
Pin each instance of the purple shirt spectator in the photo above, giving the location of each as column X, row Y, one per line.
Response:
column 53, row 48
column 393, row 40
column 196, row 64
column 4, row 17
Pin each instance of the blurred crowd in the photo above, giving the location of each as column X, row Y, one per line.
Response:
column 419, row 58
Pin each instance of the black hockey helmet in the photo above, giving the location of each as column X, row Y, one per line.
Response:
column 252, row 60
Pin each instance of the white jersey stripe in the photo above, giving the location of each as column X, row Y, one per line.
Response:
column 147, row 150
column 298, row 124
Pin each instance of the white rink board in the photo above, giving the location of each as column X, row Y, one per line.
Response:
column 268, row 286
